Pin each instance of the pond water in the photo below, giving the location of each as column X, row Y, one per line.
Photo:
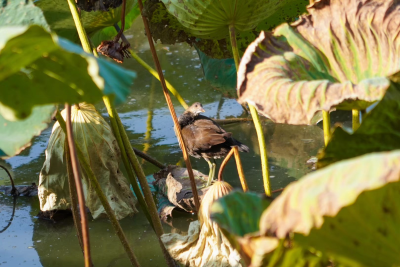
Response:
column 32, row 242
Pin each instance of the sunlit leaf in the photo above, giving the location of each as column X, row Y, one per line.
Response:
column 38, row 68
column 239, row 213
column 16, row 135
column 349, row 211
column 336, row 57
column 211, row 19
column 379, row 131
column 166, row 27
column 58, row 16
column 10, row 14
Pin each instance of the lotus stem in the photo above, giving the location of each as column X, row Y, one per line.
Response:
column 256, row 119
column 355, row 119
column 240, row 169
column 103, row 199
column 155, row 219
column 114, row 125
column 117, row 227
column 79, row 188
column 73, row 196
column 153, row 72
column 14, row 190
column 326, row 120
column 223, row 164
column 79, row 27
column 171, row 108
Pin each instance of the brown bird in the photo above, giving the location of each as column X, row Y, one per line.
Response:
column 204, row 138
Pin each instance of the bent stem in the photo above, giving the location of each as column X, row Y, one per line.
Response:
column 355, row 119
column 240, row 169
column 79, row 188
column 223, row 164
column 326, row 121
column 171, row 108
column 256, row 120
column 14, row 190
column 96, row 186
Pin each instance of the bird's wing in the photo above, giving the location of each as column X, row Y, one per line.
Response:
column 204, row 134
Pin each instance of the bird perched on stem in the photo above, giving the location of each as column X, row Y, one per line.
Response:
column 204, row 138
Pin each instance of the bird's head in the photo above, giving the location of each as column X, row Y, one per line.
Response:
column 196, row 108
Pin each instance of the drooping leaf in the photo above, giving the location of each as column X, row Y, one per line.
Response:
column 10, row 14
column 379, row 131
column 166, row 28
column 349, row 211
column 58, row 16
column 16, row 135
column 211, row 19
column 108, row 33
column 38, row 68
column 239, row 213
column 336, row 57
column 98, row 145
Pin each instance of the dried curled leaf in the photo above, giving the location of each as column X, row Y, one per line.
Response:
column 336, row 57
column 101, row 150
column 348, row 210
column 204, row 245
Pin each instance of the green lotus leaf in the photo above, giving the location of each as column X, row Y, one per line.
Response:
column 348, row 211
column 166, row 25
column 211, row 19
column 110, row 32
column 220, row 73
column 10, row 14
column 336, row 57
column 239, row 213
column 39, row 68
column 16, row 135
column 58, row 16
column 379, row 131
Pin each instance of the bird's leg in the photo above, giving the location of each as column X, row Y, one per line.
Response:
column 211, row 173
column 214, row 165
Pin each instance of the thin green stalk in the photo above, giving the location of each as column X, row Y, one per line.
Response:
column 256, row 120
column 153, row 71
column 114, row 125
column 355, row 119
column 103, row 199
column 156, row 222
column 326, row 120
column 79, row 27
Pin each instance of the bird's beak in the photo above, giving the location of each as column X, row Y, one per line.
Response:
column 202, row 110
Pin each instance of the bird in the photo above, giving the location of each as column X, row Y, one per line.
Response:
column 204, row 138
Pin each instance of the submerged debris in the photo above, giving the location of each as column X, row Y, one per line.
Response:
column 173, row 182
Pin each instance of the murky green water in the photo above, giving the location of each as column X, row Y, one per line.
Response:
column 33, row 242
